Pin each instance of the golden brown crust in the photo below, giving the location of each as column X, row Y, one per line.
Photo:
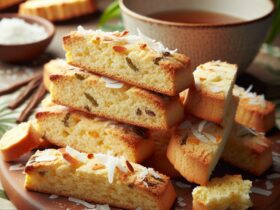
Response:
column 8, row 3
column 58, row 10
column 253, row 116
column 175, row 67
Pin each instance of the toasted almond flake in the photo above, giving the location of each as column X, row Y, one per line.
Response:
column 210, row 137
column 260, row 191
column 82, row 157
column 273, row 176
column 153, row 173
column 17, row 167
column 201, row 125
column 269, row 185
column 79, row 201
column 182, row 185
column 53, row 196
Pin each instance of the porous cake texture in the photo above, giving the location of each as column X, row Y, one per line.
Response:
column 133, row 59
column 98, row 178
column 113, row 100
column 228, row 192
column 86, row 133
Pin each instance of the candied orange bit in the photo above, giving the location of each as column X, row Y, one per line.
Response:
column 72, row 160
column 119, row 49
column 143, row 46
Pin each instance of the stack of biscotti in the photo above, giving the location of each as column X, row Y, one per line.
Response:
column 197, row 144
column 106, row 98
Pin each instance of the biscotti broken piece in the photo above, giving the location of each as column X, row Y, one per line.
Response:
column 210, row 97
column 248, row 150
column 196, row 146
column 90, row 134
column 98, row 178
column 159, row 160
column 113, row 100
column 228, row 192
column 19, row 141
column 253, row 110
column 136, row 60
column 58, row 10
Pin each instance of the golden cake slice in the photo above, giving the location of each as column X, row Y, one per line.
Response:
column 113, row 100
column 210, row 97
column 58, row 10
column 19, row 141
column 248, row 150
column 228, row 192
column 62, row 126
column 196, row 146
column 159, row 160
column 98, row 178
column 253, row 110
column 136, row 60
column 8, row 3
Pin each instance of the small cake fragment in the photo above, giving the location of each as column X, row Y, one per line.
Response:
column 228, row 192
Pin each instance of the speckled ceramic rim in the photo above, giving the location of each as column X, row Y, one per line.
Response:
column 34, row 19
column 190, row 25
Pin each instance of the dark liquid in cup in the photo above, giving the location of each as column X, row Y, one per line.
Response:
column 195, row 17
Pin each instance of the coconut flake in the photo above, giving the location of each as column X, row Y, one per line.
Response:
column 109, row 83
column 182, row 185
column 201, row 126
column 273, row 176
column 102, row 207
column 153, row 173
column 111, row 163
column 53, row 196
column 82, row 202
column 269, row 185
column 210, row 137
column 180, row 202
column 248, row 90
column 156, row 46
column 199, row 136
column 45, row 158
column 261, row 191
column 82, row 157
column 16, row 167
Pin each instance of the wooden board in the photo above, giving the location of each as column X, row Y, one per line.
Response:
column 13, row 182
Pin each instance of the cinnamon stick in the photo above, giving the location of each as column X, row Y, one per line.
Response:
column 19, row 84
column 33, row 102
column 25, row 93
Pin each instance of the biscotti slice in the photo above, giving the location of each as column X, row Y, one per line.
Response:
column 58, row 10
column 209, row 98
column 117, row 101
column 62, row 126
column 228, row 192
column 98, row 178
column 196, row 146
column 8, row 3
column 253, row 110
column 159, row 160
column 248, row 150
column 136, row 60
column 19, row 141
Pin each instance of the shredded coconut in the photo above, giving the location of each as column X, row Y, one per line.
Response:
column 261, row 191
column 17, row 31
column 84, row 203
column 45, row 156
column 140, row 38
column 16, row 167
column 269, row 185
column 53, row 196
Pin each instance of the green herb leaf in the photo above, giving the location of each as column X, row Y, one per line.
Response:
column 3, row 194
column 275, row 27
column 111, row 12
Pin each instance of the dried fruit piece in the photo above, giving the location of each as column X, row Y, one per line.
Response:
column 138, row 111
column 91, row 99
column 80, row 77
column 119, row 49
column 157, row 60
column 90, row 156
column 150, row 113
column 131, row 64
column 65, row 120
column 129, row 166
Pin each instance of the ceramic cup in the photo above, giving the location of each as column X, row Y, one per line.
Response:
column 236, row 42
